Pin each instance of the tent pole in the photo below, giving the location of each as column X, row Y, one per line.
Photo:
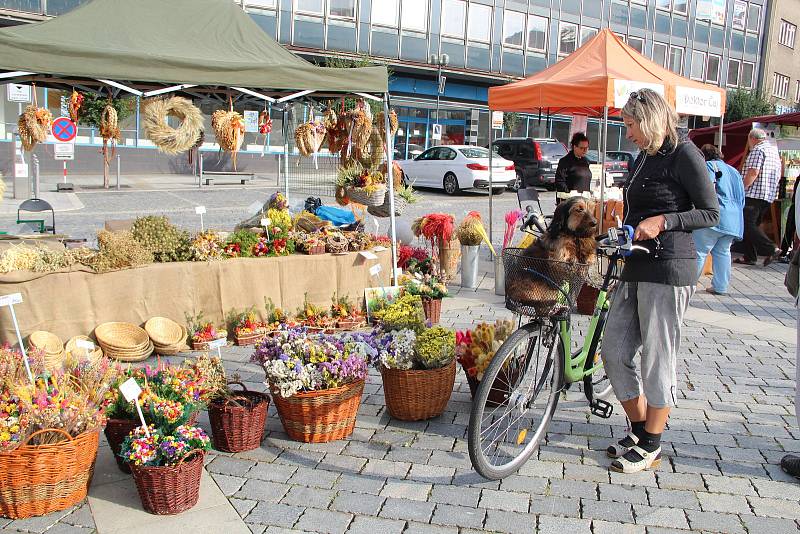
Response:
column 491, row 140
column 604, row 127
column 286, row 151
column 721, row 124
column 390, row 180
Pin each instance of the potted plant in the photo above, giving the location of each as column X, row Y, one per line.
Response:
column 404, row 313
column 203, row 332
column 418, row 372
column 475, row 350
column 430, row 289
column 471, row 234
column 276, row 317
column 248, row 329
column 346, row 314
column 167, row 464
column 316, row 381
column 314, row 318
column 313, row 244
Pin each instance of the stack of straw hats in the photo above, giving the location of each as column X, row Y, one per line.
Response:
column 168, row 336
column 124, row 341
column 52, row 347
column 74, row 353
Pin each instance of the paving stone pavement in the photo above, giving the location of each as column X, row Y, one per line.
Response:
column 734, row 421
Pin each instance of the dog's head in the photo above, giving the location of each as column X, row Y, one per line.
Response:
column 573, row 216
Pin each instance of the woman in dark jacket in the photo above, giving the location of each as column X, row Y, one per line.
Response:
column 572, row 173
column 666, row 197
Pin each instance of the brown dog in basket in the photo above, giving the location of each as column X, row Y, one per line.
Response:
column 567, row 246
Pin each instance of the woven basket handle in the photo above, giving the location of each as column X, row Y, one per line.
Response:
column 46, row 430
column 237, row 382
column 189, row 455
column 234, row 398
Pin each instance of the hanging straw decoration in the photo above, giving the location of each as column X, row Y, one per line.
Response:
column 393, row 124
column 229, row 129
column 34, row 124
column 74, row 105
column 168, row 139
column 309, row 136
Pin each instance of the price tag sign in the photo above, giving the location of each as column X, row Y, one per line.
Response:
column 375, row 269
column 199, row 210
column 130, row 389
column 13, row 298
column 217, row 343
column 378, row 248
column 85, row 344
column 368, row 255
column 265, row 222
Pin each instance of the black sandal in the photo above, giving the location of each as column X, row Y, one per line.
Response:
column 742, row 261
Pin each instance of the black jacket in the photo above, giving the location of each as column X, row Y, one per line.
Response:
column 673, row 183
column 573, row 174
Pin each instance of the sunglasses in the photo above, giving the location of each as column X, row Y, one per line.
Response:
column 638, row 96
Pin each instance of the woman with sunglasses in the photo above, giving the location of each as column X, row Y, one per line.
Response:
column 667, row 196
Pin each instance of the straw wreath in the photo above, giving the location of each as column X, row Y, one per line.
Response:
column 229, row 128
column 34, row 124
column 168, row 139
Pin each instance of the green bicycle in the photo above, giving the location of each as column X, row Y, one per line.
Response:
column 520, row 389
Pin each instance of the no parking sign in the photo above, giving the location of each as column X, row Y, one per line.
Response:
column 64, row 130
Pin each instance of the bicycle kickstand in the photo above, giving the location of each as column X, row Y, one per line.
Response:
column 601, row 408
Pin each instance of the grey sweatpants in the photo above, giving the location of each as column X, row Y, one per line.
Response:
column 649, row 317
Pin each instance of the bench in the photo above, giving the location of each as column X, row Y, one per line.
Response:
column 246, row 176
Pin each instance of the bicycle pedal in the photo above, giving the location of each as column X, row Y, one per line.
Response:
column 601, row 408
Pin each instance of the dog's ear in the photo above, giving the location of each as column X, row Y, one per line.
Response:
column 559, row 223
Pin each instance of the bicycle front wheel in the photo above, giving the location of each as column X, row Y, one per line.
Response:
column 515, row 400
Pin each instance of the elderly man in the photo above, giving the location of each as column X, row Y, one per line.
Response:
column 761, row 173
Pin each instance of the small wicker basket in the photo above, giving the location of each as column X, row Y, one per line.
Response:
column 237, row 422
column 169, row 490
column 360, row 195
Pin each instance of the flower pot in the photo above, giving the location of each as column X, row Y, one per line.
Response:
column 470, row 254
column 499, row 276
column 116, row 431
column 433, row 310
column 416, row 395
column 237, row 423
column 320, row 416
column 449, row 254
column 349, row 324
column 169, row 490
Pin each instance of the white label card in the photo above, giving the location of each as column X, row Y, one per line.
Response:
column 368, row 255
column 378, row 248
column 84, row 344
column 265, row 222
column 375, row 269
column 13, row 298
column 130, row 389
column 200, row 210
column 217, row 343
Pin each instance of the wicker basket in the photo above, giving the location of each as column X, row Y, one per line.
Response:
column 169, row 490
column 203, row 345
column 238, row 428
column 46, row 341
column 251, row 338
column 359, row 195
column 320, row 416
column 449, row 258
column 497, row 395
column 433, row 310
column 316, row 249
column 71, row 350
column 350, row 324
column 164, row 332
column 385, row 209
column 122, row 336
column 417, row 395
column 116, row 431
column 128, row 355
column 40, row 479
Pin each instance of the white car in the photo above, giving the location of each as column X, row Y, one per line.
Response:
column 457, row 167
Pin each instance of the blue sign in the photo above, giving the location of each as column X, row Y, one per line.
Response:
column 64, row 129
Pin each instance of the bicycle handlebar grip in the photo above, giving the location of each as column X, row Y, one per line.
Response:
column 628, row 233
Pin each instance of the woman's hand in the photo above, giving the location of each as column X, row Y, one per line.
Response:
column 650, row 228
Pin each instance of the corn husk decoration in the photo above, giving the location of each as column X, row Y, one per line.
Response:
column 166, row 138
column 229, row 129
column 74, row 105
column 34, row 125
column 264, row 123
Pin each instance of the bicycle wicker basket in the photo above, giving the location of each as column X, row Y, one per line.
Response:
column 538, row 287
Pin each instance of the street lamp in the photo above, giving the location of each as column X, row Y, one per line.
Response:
column 440, row 60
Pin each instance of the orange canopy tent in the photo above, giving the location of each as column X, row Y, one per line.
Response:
column 601, row 74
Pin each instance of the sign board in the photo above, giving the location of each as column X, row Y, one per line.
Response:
column 21, row 170
column 701, row 102
column 64, row 151
column 597, row 171
column 64, row 130
column 251, row 121
column 199, row 210
column 13, row 298
column 497, row 120
column 624, row 88
column 130, row 389
column 217, row 343
column 84, row 344
column 17, row 92
column 579, row 123
column 436, row 132
column 442, row 82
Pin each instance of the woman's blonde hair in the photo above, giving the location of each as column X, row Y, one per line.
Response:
column 655, row 117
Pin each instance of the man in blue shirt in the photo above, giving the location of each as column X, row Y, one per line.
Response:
column 718, row 239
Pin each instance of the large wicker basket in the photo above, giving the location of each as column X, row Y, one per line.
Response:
column 237, row 423
column 169, row 490
column 385, row 209
column 360, row 195
column 417, row 395
column 320, row 416
column 40, row 479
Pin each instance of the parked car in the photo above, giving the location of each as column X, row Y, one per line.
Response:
column 457, row 167
column 618, row 164
column 413, row 151
column 535, row 160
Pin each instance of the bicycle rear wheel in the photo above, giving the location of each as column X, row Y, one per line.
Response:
column 515, row 400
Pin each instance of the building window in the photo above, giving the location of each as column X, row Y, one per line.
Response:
column 385, row 13
column 261, row 3
column 660, row 54
column 747, row 74
column 739, row 14
column 453, row 18
column 733, row 72
column 414, row 15
column 698, row 70
column 573, row 7
column 311, row 7
column 479, row 26
column 587, row 33
column 619, row 12
column 786, row 36
column 676, row 59
column 636, row 43
column 345, row 9
column 681, row 6
column 567, row 38
column 513, row 28
column 664, row 4
column 780, row 85
column 537, row 33
column 712, row 68
column 753, row 18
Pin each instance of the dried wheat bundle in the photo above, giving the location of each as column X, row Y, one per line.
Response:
column 360, row 128
column 229, row 128
column 393, row 123
column 34, row 125
column 109, row 124
column 309, row 137
column 168, row 139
